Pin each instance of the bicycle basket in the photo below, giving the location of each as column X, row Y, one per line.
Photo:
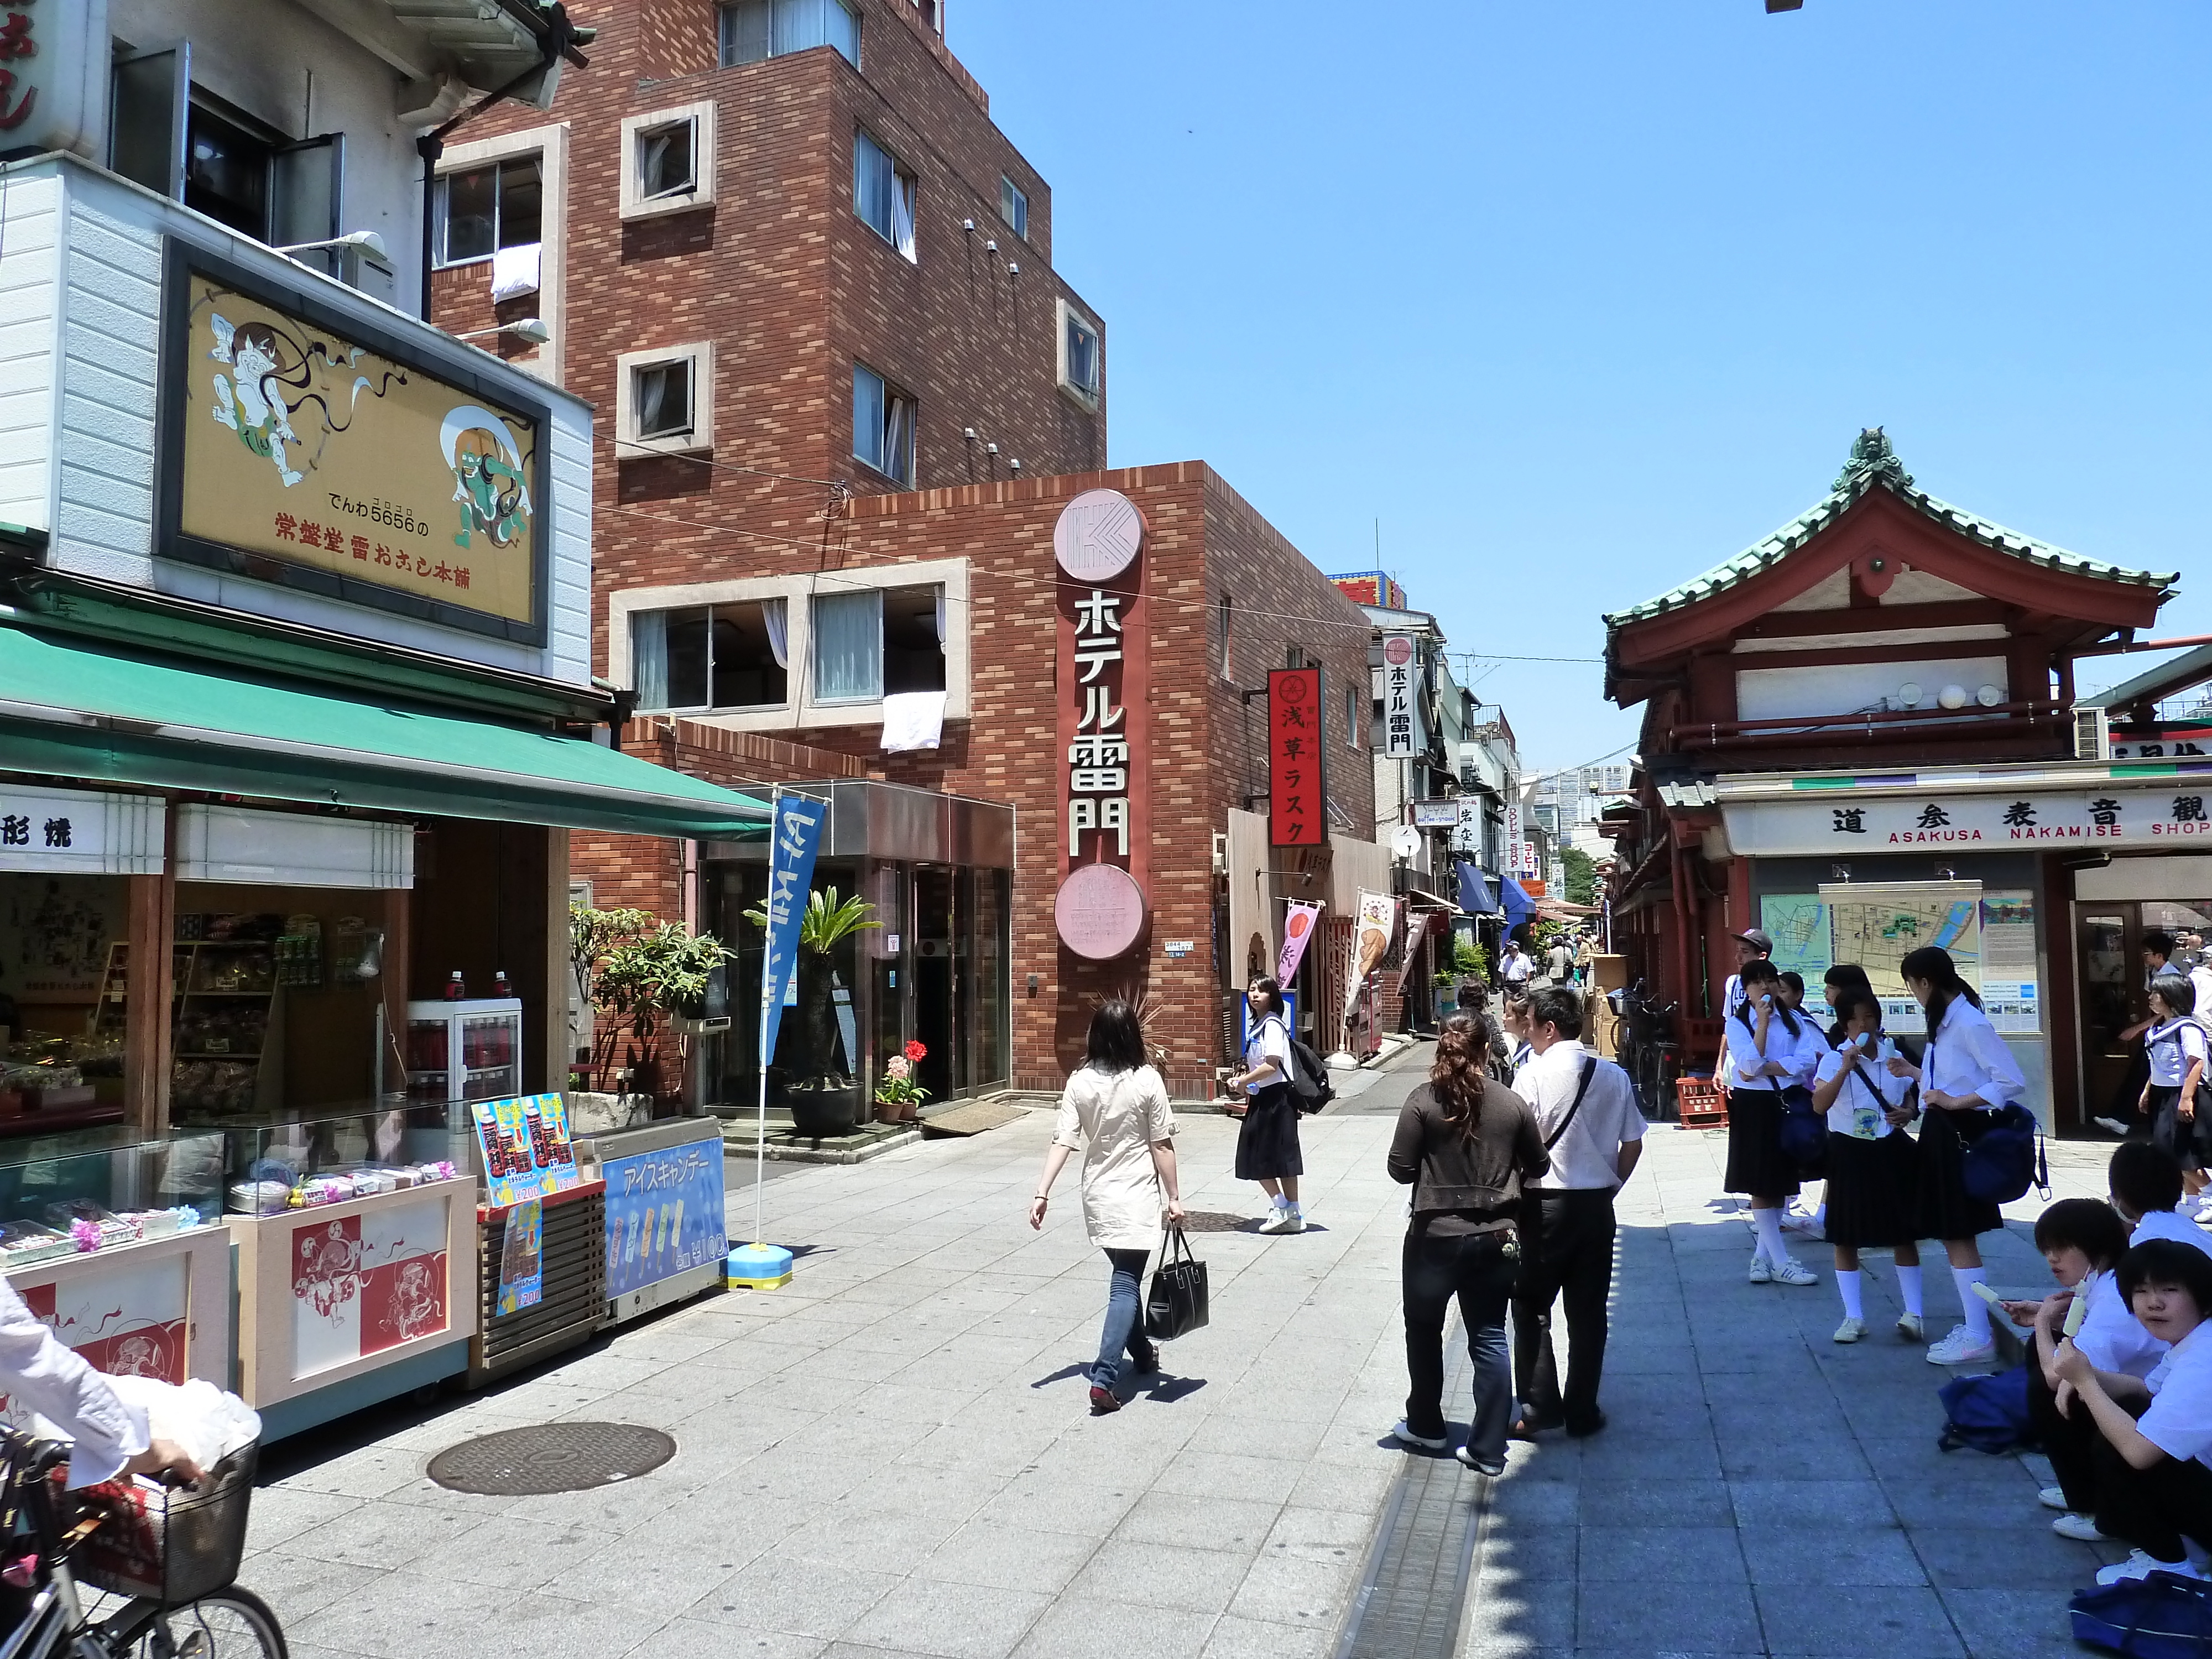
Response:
column 171, row 1546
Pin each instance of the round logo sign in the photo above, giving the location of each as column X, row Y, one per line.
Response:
column 1397, row 650
column 1100, row 911
column 1098, row 535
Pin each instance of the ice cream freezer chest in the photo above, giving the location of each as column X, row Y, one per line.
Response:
column 666, row 1237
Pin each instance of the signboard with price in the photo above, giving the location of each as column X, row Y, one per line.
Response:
column 313, row 451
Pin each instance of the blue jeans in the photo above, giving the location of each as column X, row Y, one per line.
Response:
column 1125, row 1305
column 1474, row 1270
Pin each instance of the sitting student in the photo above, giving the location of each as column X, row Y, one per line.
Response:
column 2145, row 1185
column 1872, row 1164
column 2152, row 1487
column 2083, row 1241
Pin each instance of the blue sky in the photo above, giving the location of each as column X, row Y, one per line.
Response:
column 1581, row 297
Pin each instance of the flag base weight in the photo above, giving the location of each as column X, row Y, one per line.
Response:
column 757, row 1267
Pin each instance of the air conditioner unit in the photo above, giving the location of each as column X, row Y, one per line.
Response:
column 365, row 268
column 1221, row 852
column 2092, row 733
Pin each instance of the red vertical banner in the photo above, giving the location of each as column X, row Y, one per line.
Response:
column 1298, row 750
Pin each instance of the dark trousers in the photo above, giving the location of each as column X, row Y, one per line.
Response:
column 1567, row 1255
column 2153, row 1509
column 1474, row 1268
column 2069, row 1441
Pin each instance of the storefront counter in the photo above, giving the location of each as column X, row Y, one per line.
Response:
column 154, row 1307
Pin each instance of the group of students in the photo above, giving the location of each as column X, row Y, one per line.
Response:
column 2123, row 1406
column 1885, row 1188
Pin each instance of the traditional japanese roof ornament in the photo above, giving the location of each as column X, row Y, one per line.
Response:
column 1872, row 458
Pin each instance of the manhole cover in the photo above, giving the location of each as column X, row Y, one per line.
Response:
column 1215, row 1221
column 551, row 1457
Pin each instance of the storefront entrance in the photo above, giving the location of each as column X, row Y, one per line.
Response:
column 2115, row 905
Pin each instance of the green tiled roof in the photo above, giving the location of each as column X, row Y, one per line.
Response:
column 1873, row 465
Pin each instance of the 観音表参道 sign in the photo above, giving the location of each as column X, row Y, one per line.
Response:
column 302, row 448
column 2012, row 818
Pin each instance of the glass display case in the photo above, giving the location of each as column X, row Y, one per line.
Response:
column 469, row 1050
column 81, row 1203
column 271, row 1168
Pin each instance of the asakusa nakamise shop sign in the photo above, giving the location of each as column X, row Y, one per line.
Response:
column 2007, row 819
column 318, row 452
column 1100, row 911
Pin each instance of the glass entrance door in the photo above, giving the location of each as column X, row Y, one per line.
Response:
column 2106, row 942
column 936, row 981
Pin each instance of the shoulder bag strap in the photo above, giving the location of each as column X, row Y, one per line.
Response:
column 1881, row 1100
column 1590, row 1071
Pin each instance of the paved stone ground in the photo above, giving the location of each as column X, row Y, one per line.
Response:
column 892, row 1456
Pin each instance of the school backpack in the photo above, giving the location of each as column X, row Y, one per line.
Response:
column 1308, row 1079
column 2161, row 1615
column 2005, row 1157
column 1989, row 1414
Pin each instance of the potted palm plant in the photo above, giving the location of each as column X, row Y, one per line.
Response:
column 824, row 1100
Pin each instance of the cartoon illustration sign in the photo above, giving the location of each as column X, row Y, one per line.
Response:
column 357, row 473
column 364, row 1283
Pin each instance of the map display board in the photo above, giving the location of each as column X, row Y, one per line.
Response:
column 1798, row 925
column 2012, row 993
column 1878, row 924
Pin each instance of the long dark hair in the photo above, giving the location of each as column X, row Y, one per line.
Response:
column 1455, row 1076
column 1759, row 971
column 1116, row 1042
column 1849, row 1001
column 1933, row 964
column 1265, row 982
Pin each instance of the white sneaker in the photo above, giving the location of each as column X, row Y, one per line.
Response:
column 1294, row 1221
column 1406, row 1436
column 2054, row 1497
column 1279, row 1221
column 2141, row 1565
column 2080, row 1527
column 1909, row 1327
column 1959, row 1348
column 1760, row 1273
column 1850, row 1330
column 1794, row 1272
column 2112, row 1126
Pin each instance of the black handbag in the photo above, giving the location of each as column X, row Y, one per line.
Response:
column 1177, row 1305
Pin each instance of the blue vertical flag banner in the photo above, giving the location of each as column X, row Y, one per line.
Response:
column 790, row 874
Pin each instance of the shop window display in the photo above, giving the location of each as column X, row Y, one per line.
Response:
column 295, row 1166
column 78, row 1204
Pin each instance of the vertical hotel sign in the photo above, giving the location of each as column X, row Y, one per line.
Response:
column 1104, row 768
column 1297, row 813
column 1401, row 723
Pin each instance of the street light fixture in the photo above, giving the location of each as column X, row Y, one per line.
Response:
column 531, row 329
column 362, row 239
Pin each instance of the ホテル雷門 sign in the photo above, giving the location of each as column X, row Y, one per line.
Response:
column 301, row 448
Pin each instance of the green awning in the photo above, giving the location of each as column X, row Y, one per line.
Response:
column 78, row 710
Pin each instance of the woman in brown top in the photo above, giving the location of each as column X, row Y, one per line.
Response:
column 1464, row 1144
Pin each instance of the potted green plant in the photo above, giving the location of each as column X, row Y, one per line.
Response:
column 899, row 1094
column 644, row 973
column 825, row 1101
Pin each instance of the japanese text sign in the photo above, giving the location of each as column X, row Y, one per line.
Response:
column 2173, row 813
column 664, row 1214
column 316, row 456
column 525, row 1145
column 53, row 75
column 790, row 875
column 1098, row 542
column 1298, row 925
column 77, row 832
column 1297, row 815
column 1402, row 698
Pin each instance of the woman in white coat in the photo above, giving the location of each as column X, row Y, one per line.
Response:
column 1114, row 1111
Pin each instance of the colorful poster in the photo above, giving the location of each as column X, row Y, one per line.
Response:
column 366, row 1282
column 1378, row 923
column 664, row 1214
column 2012, row 987
column 1297, row 932
column 525, row 1145
column 522, row 1258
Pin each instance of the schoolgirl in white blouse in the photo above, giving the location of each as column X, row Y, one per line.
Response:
column 2176, row 1047
column 1770, row 1048
column 1966, row 1069
column 1873, row 1165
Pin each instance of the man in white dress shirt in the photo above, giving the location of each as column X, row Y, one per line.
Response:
column 1585, row 1109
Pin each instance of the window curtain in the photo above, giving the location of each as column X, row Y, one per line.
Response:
column 775, row 617
column 899, row 439
column 874, row 184
column 902, row 195
column 940, row 616
column 868, row 417
column 648, row 666
column 848, row 646
column 803, row 23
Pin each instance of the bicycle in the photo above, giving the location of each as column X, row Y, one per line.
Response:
column 196, row 1609
column 1644, row 1050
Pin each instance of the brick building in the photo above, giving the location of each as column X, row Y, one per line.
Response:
column 843, row 398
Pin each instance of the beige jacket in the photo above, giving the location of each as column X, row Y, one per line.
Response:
column 1113, row 1118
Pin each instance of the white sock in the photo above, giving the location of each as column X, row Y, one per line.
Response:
column 1293, row 1206
column 1769, row 1223
column 1821, row 1218
column 1908, row 1286
column 1977, row 1310
column 1847, row 1285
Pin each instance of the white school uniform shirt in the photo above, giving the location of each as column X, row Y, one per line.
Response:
column 1801, row 1054
column 1967, row 1057
column 2110, row 1335
column 1522, row 1055
column 2200, row 980
column 1270, row 1040
column 2179, row 1420
column 2171, row 1048
column 1587, row 1156
column 1731, row 998
column 2165, row 1224
column 1870, row 1089
column 37, row 1370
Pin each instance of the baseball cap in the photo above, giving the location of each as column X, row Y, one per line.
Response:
column 1759, row 938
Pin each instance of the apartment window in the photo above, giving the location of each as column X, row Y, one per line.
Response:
column 1221, row 620
column 755, row 29
column 883, row 193
column 883, row 425
column 1352, row 701
column 486, row 209
column 878, row 642
column 1079, row 366
column 1014, row 207
column 665, row 400
column 668, row 160
column 710, row 657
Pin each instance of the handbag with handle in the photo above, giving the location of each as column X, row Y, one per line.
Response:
column 1803, row 1132
column 1177, row 1305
